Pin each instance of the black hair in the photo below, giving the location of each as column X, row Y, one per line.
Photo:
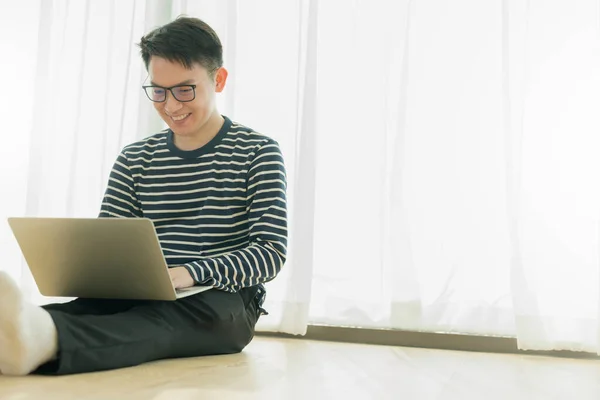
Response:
column 185, row 40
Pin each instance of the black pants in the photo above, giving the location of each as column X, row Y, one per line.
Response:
column 95, row 334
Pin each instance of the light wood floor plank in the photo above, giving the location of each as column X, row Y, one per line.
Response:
column 275, row 368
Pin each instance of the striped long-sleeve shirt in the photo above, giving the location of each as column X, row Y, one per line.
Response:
column 219, row 211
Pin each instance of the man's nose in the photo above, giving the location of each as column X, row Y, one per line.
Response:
column 171, row 103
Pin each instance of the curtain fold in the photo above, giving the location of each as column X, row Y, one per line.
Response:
column 18, row 67
column 556, row 284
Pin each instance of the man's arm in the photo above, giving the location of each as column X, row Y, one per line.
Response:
column 263, row 258
column 120, row 199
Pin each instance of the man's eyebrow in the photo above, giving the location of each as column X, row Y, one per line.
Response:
column 186, row 82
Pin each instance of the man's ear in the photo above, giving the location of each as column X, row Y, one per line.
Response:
column 220, row 79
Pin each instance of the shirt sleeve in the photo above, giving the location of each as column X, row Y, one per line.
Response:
column 265, row 255
column 120, row 199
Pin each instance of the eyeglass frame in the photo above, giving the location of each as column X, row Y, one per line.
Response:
column 170, row 89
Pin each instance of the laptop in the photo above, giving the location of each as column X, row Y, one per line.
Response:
column 103, row 258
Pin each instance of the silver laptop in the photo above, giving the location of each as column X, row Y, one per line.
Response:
column 109, row 258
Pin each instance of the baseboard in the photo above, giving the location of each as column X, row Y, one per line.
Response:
column 430, row 340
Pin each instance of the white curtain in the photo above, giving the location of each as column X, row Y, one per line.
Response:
column 555, row 174
column 442, row 156
column 72, row 101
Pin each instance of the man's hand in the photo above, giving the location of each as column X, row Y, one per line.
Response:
column 181, row 278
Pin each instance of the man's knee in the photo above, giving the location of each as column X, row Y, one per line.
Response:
column 234, row 336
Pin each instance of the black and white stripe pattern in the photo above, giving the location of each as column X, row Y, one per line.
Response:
column 220, row 211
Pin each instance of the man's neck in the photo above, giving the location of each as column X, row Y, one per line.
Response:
column 202, row 137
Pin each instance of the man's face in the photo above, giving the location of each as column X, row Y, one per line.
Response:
column 185, row 118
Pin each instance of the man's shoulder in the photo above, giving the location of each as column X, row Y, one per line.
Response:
column 245, row 136
column 148, row 146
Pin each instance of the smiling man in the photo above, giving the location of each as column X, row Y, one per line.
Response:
column 215, row 191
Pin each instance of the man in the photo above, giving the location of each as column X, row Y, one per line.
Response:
column 215, row 191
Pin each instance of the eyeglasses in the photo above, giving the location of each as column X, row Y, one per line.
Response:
column 181, row 93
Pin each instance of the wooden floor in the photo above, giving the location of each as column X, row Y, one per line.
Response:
column 281, row 369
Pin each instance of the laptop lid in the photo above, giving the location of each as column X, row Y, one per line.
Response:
column 118, row 258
